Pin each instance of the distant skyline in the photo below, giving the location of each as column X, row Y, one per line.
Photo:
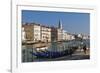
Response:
column 72, row 22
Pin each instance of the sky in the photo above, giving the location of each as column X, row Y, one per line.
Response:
column 72, row 22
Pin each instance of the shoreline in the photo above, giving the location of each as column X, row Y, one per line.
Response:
column 38, row 42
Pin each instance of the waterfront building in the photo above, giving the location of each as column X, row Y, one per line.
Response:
column 83, row 36
column 86, row 37
column 54, row 34
column 72, row 37
column 36, row 32
column 80, row 35
column 69, row 36
column 60, row 32
column 59, row 35
column 60, row 25
column 23, row 34
column 41, row 33
column 45, row 34
column 65, row 36
column 28, row 28
column 49, row 34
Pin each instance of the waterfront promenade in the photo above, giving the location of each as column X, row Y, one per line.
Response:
column 78, row 55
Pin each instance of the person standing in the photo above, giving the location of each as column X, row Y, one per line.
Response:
column 84, row 49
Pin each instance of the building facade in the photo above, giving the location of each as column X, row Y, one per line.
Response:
column 28, row 34
column 40, row 33
column 60, row 31
column 54, row 35
column 45, row 34
column 37, row 32
column 23, row 34
column 59, row 35
column 64, row 34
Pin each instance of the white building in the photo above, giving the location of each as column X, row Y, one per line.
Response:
column 59, row 32
column 86, row 37
column 80, row 35
column 69, row 36
column 72, row 37
column 37, row 32
column 65, row 35
column 45, row 34
column 23, row 34
column 59, row 35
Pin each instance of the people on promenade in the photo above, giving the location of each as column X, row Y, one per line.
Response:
column 84, row 49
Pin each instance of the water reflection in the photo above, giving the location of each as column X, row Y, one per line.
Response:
column 29, row 52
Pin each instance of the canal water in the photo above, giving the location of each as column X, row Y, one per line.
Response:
column 27, row 50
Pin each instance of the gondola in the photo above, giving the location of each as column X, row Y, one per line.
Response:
column 54, row 54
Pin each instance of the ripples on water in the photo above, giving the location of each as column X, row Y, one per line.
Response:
column 28, row 57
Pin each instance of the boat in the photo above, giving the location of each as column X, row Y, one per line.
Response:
column 54, row 54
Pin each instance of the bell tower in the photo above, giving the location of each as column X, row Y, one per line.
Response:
column 60, row 24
